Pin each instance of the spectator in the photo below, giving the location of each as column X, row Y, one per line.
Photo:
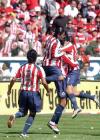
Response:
column 81, row 37
column 20, row 46
column 24, row 11
column 38, row 47
column 71, row 9
column 70, row 30
column 82, row 55
column 8, row 39
column 51, row 11
column 15, row 16
column 61, row 20
column 43, row 21
column 5, row 3
column 91, row 11
column 83, row 71
column 93, row 49
column 90, row 25
column 5, row 73
column 84, row 10
column 78, row 21
column 29, row 36
column 97, row 21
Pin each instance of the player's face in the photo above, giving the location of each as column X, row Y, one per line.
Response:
column 62, row 36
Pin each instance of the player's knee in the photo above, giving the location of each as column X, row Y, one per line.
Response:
column 63, row 102
column 69, row 89
column 61, row 77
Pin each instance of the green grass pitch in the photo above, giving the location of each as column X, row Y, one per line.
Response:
column 84, row 127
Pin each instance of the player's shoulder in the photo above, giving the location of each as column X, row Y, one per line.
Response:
column 39, row 67
column 23, row 65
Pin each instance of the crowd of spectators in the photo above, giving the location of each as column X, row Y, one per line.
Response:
column 24, row 24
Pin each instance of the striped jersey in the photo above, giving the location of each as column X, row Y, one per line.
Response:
column 30, row 75
column 70, row 58
column 52, row 53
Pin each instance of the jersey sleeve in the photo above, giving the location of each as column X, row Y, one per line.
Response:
column 18, row 73
column 67, row 48
column 68, row 61
column 41, row 73
column 56, row 50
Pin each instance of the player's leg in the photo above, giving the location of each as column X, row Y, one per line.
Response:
column 86, row 95
column 58, row 112
column 34, row 105
column 56, row 116
column 53, row 74
column 59, row 83
column 73, row 80
column 22, row 109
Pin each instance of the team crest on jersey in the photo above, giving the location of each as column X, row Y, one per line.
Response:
column 63, row 94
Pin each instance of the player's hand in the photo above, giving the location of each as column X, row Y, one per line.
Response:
column 49, row 92
column 8, row 92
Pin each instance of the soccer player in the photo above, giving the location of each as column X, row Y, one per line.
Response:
column 29, row 97
column 73, row 76
column 51, row 65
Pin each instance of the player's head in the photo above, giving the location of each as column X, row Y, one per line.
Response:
column 31, row 56
column 50, row 30
column 60, row 34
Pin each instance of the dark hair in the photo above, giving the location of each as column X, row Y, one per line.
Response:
column 31, row 56
column 59, row 31
column 50, row 30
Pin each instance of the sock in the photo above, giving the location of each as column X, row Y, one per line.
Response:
column 73, row 101
column 57, row 115
column 86, row 95
column 28, row 124
column 19, row 114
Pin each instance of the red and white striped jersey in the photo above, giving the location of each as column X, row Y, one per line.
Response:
column 13, row 27
column 71, row 56
column 30, row 75
column 52, row 53
column 64, row 68
column 7, row 45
